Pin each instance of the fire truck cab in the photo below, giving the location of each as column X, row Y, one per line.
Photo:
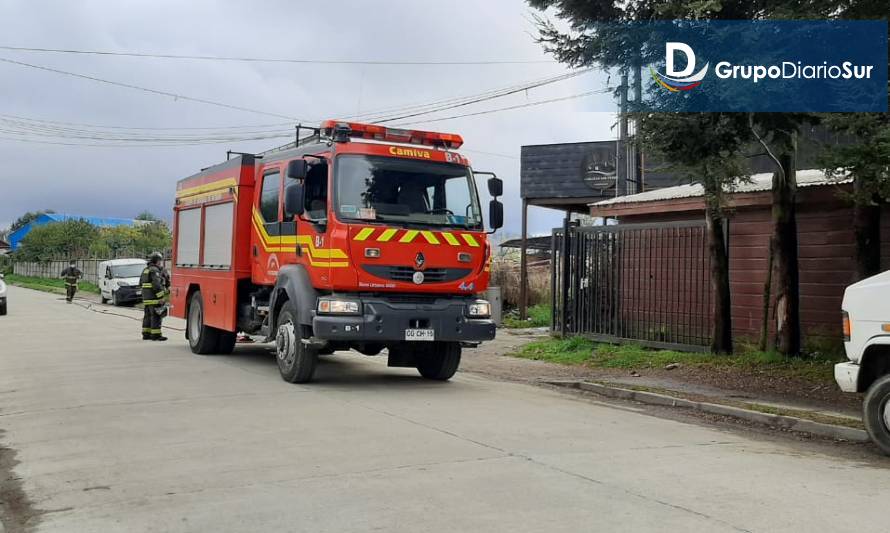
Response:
column 359, row 237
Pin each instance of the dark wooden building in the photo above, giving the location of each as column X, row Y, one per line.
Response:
column 826, row 244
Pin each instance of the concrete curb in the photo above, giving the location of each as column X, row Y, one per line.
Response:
column 782, row 421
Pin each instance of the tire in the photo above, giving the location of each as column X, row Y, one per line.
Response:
column 876, row 413
column 3, row 309
column 114, row 299
column 203, row 339
column 102, row 298
column 296, row 361
column 226, row 342
column 441, row 362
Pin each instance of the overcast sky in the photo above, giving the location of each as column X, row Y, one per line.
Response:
column 122, row 182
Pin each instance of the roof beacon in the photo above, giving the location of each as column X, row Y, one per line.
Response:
column 337, row 130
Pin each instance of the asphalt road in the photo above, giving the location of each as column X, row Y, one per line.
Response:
column 105, row 432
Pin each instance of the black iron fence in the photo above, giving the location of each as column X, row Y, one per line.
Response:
column 648, row 284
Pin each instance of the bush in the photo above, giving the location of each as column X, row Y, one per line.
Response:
column 505, row 274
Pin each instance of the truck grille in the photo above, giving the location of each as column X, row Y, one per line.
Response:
column 405, row 274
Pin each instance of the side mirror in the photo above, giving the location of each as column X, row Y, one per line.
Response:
column 297, row 169
column 293, row 198
column 495, row 187
column 495, row 214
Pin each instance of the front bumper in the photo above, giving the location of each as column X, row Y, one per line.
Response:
column 847, row 376
column 129, row 294
column 386, row 319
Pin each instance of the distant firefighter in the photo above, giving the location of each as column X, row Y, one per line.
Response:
column 71, row 274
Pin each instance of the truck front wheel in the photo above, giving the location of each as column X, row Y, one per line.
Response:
column 296, row 361
column 441, row 362
column 876, row 413
column 203, row 339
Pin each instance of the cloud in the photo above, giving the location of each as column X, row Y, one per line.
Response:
column 125, row 181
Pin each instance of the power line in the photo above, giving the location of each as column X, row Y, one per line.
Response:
column 149, row 128
column 148, row 90
column 481, row 98
column 382, row 113
column 510, row 108
column 275, row 60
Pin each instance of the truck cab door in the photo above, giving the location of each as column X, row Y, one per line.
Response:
column 312, row 226
column 267, row 224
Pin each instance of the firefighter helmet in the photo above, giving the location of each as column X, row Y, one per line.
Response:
column 155, row 258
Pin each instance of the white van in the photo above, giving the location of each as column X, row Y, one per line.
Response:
column 867, row 342
column 119, row 280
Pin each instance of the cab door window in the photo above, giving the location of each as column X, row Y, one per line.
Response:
column 270, row 196
column 316, row 197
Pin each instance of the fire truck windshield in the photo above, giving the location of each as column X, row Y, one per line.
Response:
column 406, row 191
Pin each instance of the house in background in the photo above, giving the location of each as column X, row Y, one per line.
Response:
column 4, row 247
column 15, row 238
column 826, row 248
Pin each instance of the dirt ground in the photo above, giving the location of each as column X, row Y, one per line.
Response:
column 730, row 383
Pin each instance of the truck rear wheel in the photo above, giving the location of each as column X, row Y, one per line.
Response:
column 226, row 342
column 296, row 361
column 441, row 362
column 876, row 413
column 203, row 339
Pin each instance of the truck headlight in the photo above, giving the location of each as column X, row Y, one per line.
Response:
column 479, row 309
column 330, row 306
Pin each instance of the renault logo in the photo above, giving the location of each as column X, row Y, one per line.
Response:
column 419, row 261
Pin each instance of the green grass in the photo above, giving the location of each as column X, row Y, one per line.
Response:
column 48, row 284
column 538, row 317
column 579, row 351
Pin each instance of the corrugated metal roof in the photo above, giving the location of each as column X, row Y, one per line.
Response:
column 15, row 238
column 96, row 221
column 757, row 183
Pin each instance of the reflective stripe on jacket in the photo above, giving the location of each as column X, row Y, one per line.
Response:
column 153, row 285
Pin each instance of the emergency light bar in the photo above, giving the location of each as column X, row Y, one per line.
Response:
column 382, row 133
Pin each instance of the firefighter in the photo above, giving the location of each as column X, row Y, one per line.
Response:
column 71, row 275
column 154, row 290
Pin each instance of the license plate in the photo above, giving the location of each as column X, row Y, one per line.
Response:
column 427, row 335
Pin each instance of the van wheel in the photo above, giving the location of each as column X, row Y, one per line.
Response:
column 876, row 413
column 114, row 299
column 3, row 309
column 102, row 298
column 203, row 339
column 296, row 361
column 441, row 362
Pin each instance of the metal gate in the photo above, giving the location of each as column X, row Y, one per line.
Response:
column 643, row 283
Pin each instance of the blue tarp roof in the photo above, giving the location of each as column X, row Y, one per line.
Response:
column 103, row 222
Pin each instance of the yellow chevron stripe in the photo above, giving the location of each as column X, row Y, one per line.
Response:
column 409, row 236
column 387, row 235
column 470, row 240
column 288, row 244
column 450, row 238
column 430, row 237
column 364, row 234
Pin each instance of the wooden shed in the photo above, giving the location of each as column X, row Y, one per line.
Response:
column 825, row 235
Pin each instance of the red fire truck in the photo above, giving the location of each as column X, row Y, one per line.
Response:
column 357, row 237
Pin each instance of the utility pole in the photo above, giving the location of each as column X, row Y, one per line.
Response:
column 621, row 160
column 639, row 174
